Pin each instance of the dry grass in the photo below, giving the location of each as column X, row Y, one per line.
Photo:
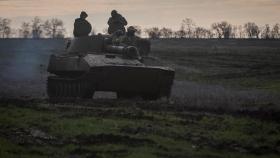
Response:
column 227, row 74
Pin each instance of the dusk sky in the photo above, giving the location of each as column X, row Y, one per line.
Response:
column 145, row 13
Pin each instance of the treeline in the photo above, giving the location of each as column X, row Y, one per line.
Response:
column 222, row 30
column 54, row 28
column 36, row 28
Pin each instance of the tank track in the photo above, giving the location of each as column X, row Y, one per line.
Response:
column 164, row 92
column 65, row 88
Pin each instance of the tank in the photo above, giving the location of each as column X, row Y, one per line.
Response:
column 90, row 65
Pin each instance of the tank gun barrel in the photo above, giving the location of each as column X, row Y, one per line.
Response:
column 130, row 52
column 115, row 49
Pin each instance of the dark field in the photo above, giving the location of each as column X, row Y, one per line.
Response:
column 223, row 73
column 224, row 103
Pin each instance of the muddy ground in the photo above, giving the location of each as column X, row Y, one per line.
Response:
column 122, row 128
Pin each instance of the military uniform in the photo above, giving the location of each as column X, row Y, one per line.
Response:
column 81, row 26
column 116, row 22
column 117, row 37
column 130, row 39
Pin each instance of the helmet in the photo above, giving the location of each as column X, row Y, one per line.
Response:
column 83, row 14
column 131, row 29
column 114, row 12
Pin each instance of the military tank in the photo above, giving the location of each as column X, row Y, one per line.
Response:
column 90, row 64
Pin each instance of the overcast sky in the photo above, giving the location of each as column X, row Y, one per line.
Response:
column 146, row 13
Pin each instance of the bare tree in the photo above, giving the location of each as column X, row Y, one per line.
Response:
column 234, row 31
column 266, row 32
column 222, row 29
column 209, row 34
column 252, row 30
column 189, row 26
column 240, row 31
column 5, row 28
column 201, row 32
column 54, row 28
column 180, row 33
column 37, row 27
column 7, row 32
column 153, row 32
column 13, row 33
column 25, row 30
column 166, row 32
column 275, row 32
column 217, row 30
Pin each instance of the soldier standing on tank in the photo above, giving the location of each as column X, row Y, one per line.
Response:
column 81, row 26
column 116, row 22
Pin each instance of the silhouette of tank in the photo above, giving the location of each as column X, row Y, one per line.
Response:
column 90, row 64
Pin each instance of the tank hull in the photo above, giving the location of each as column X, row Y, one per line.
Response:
column 131, row 79
column 126, row 81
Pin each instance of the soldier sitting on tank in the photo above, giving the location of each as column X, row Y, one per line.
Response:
column 81, row 26
column 117, row 37
column 129, row 39
column 116, row 22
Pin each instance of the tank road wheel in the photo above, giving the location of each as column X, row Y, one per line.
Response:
column 66, row 89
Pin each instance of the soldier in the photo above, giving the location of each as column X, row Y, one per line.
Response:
column 81, row 26
column 117, row 37
column 116, row 22
column 130, row 39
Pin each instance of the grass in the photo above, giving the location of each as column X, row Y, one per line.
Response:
column 226, row 74
column 224, row 103
column 126, row 129
column 240, row 64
